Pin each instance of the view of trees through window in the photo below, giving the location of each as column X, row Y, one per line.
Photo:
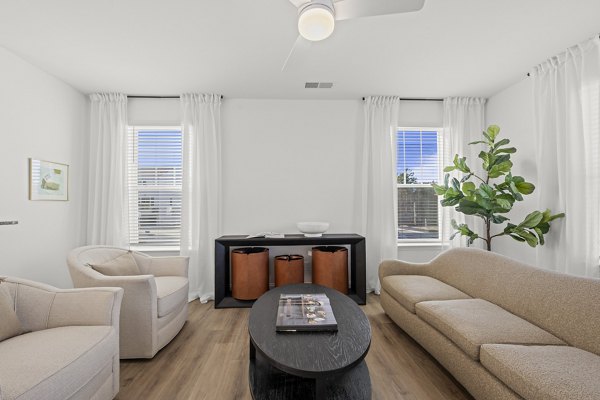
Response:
column 418, row 165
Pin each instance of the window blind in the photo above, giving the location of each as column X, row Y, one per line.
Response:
column 418, row 154
column 155, row 180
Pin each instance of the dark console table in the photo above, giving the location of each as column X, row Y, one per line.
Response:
column 357, row 290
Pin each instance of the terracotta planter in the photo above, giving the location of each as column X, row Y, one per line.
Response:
column 330, row 267
column 249, row 272
column 289, row 270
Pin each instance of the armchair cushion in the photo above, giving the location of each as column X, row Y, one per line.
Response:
column 123, row 265
column 172, row 291
column 10, row 326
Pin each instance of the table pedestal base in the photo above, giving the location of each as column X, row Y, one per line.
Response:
column 269, row 383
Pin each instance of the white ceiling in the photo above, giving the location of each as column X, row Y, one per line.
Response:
column 237, row 47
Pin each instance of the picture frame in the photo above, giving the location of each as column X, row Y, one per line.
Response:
column 48, row 180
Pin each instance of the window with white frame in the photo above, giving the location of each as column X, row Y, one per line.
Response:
column 418, row 164
column 155, row 163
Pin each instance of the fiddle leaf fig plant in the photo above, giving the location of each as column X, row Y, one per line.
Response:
column 492, row 196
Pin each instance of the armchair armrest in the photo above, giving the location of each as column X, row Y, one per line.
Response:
column 397, row 267
column 163, row 266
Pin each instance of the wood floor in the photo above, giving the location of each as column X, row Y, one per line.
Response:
column 209, row 360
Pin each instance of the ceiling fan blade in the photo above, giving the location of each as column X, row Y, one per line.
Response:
column 350, row 9
column 299, row 49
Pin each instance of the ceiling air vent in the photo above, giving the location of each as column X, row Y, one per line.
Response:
column 318, row 85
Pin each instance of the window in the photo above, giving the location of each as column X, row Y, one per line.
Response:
column 418, row 152
column 154, row 157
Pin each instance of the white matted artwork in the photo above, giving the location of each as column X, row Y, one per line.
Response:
column 48, row 180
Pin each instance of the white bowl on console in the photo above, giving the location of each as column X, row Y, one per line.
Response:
column 313, row 229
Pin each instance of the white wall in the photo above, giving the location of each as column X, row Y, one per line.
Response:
column 44, row 118
column 290, row 160
column 286, row 161
column 512, row 110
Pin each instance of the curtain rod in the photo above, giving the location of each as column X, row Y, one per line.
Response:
column 415, row 99
column 155, row 97
column 529, row 73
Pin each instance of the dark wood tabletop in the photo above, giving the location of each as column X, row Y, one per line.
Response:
column 310, row 354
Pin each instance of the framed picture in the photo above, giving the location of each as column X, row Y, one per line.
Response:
column 48, row 180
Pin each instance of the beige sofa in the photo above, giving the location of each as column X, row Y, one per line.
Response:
column 155, row 304
column 71, row 350
column 504, row 329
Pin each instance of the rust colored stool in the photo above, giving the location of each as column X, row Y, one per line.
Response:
column 249, row 272
column 330, row 267
column 289, row 270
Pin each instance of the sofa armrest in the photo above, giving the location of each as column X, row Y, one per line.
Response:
column 397, row 267
column 41, row 306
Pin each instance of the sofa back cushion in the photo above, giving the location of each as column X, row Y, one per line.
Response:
column 10, row 325
column 565, row 305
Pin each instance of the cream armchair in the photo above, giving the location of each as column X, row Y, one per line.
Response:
column 71, row 346
column 155, row 304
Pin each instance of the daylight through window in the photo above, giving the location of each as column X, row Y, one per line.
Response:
column 154, row 169
column 418, row 152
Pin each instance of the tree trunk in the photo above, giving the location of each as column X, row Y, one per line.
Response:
column 488, row 235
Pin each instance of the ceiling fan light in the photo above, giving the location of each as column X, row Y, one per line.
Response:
column 316, row 22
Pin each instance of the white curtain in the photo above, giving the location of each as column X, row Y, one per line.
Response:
column 464, row 122
column 201, row 203
column 379, row 213
column 567, row 128
column 107, row 180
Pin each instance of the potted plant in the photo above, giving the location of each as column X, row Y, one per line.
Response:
column 492, row 196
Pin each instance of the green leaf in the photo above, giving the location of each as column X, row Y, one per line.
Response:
column 520, row 239
column 532, row 220
column 515, row 192
column 525, row 187
column 492, row 131
column 507, row 205
column 439, row 189
column 479, row 141
column 468, row 188
column 508, row 150
column 501, row 143
column 449, row 169
column 498, row 219
column 465, row 178
column 471, row 208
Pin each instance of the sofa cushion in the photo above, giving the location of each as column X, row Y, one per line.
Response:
column 54, row 363
column 409, row 290
column 10, row 325
column 124, row 265
column 172, row 291
column 473, row 322
column 545, row 372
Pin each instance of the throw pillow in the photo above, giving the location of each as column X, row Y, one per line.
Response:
column 10, row 326
column 121, row 266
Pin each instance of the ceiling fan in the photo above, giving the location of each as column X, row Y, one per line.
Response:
column 316, row 18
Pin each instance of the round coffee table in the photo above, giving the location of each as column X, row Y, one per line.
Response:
column 309, row 365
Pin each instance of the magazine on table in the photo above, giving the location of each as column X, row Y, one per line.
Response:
column 305, row 312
